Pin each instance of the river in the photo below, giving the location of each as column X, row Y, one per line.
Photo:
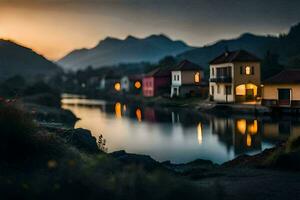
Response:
column 178, row 135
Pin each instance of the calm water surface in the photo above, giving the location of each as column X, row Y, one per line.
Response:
column 178, row 135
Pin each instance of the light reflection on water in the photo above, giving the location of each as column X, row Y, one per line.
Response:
column 177, row 135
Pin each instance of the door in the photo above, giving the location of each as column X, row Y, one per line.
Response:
column 249, row 94
column 284, row 97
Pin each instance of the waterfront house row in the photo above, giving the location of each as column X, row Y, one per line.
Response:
column 185, row 79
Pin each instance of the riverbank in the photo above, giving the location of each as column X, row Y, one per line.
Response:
column 195, row 103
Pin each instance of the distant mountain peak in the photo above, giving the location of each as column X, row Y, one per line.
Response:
column 158, row 36
column 130, row 37
column 112, row 51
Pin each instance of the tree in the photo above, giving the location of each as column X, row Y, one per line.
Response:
column 270, row 65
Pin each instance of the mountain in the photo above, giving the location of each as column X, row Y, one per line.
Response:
column 18, row 60
column 112, row 51
column 286, row 46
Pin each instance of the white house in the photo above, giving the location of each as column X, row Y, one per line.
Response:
column 187, row 79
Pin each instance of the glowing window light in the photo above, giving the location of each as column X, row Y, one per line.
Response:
column 137, row 85
column 117, row 87
column 249, row 141
column 118, row 110
column 138, row 114
column 248, row 70
column 199, row 133
column 253, row 128
column 242, row 126
column 197, row 77
column 240, row 90
column 124, row 107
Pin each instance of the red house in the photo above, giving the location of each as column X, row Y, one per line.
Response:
column 157, row 82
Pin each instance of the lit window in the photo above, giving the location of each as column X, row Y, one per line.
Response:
column 197, row 77
column 117, row 86
column 137, row 85
column 248, row 70
column 240, row 90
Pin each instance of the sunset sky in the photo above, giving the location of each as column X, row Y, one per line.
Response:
column 55, row 27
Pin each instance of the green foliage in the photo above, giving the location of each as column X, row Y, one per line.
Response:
column 270, row 65
column 286, row 157
column 13, row 87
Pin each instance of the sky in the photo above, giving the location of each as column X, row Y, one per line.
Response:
column 53, row 28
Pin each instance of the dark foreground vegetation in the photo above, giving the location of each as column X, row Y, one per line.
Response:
column 49, row 164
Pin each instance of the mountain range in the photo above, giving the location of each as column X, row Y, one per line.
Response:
column 112, row 51
column 18, row 60
column 286, row 46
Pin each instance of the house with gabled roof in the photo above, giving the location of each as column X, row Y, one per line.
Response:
column 187, row 79
column 157, row 82
column 282, row 90
column 235, row 77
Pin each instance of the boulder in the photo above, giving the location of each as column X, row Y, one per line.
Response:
column 82, row 139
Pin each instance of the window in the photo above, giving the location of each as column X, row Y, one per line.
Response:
column 213, row 71
column 197, row 77
column 218, row 89
column 248, row 70
column 174, row 77
column 241, row 70
column 177, row 77
column 252, row 70
column 212, row 90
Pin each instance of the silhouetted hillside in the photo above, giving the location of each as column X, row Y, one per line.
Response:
column 19, row 60
column 112, row 51
column 287, row 47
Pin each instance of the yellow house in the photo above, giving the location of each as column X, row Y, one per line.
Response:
column 234, row 77
column 282, row 90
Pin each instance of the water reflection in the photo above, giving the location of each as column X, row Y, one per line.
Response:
column 199, row 133
column 180, row 135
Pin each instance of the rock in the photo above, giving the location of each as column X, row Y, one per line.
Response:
column 128, row 158
column 82, row 139
column 50, row 114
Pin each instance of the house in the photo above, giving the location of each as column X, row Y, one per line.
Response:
column 157, row 82
column 110, row 82
column 282, row 90
column 234, row 77
column 131, row 84
column 187, row 79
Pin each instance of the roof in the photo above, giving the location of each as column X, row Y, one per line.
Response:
column 285, row 76
column 235, row 56
column 186, row 65
column 159, row 72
